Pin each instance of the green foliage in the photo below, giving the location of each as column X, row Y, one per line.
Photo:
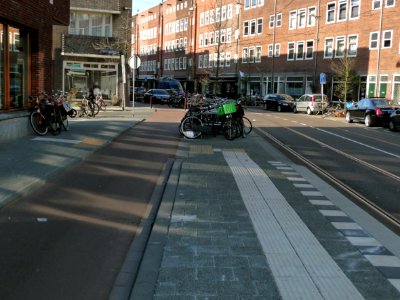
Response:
column 346, row 77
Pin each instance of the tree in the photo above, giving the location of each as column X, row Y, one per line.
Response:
column 347, row 78
column 221, row 31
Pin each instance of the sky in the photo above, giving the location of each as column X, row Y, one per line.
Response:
column 142, row 5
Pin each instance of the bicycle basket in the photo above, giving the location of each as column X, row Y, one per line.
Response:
column 226, row 109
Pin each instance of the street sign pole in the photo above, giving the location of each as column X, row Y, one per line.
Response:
column 134, row 63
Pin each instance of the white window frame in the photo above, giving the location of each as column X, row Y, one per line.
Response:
column 329, row 48
column 277, row 49
column 301, row 18
column 331, row 11
column 291, row 51
column 271, row 21
column 245, row 55
column 201, row 19
column 312, row 16
column 307, row 47
column 350, row 45
column 252, row 54
column 246, row 27
column 354, row 3
column 259, row 26
column 375, row 41
column 270, row 50
column 300, row 54
column 227, row 59
column 376, row 4
column 384, row 39
column 279, row 20
column 390, row 5
column 342, row 4
column 258, row 54
column 229, row 11
column 340, row 41
column 292, row 19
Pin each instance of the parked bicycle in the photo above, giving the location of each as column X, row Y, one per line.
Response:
column 227, row 117
column 100, row 102
column 88, row 108
column 45, row 115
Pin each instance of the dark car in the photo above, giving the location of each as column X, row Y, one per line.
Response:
column 371, row 111
column 394, row 120
column 279, row 102
column 157, row 96
column 139, row 93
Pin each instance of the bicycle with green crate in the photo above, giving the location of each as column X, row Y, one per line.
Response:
column 213, row 118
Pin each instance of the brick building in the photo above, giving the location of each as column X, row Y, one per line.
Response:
column 25, row 58
column 88, row 52
column 256, row 46
column 25, row 48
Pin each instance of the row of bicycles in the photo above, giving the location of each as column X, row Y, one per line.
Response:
column 49, row 113
column 214, row 117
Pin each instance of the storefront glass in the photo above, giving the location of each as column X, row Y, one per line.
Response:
column 81, row 76
column 2, row 89
column 18, row 67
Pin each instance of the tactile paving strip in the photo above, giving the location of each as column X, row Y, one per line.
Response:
column 301, row 266
column 373, row 250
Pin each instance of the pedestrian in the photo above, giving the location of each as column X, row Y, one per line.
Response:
column 91, row 96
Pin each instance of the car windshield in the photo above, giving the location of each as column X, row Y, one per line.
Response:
column 380, row 102
column 285, row 97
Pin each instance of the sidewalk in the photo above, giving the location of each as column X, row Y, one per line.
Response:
column 26, row 162
column 239, row 220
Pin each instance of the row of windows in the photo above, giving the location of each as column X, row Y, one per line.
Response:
column 252, row 27
column 94, row 24
column 176, row 45
column 386, row 39
column 219, row 14
column 300, row 50
column 215, row 38
column 337, row 47
column 149, row 66
column 302, row 17
column 177, row 63
column 148, row 34
column 177, row 26
column 179, row 6
column 251, row 54
column 253, row 3
column 148, row 49
column 211, row 60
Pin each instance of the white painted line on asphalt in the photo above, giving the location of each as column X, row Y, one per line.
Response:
column 311, row 193
column 383, row 260
column 363, row 241
column 320, row 202
column 55, row 140
column 332, row 213
column 346, row 225
column 303, row 185
column 296, row 179
column 396, row 283
column 302, row 268
column 359, row 143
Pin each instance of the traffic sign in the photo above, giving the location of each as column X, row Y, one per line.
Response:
column 134, row 62
column 322, row 78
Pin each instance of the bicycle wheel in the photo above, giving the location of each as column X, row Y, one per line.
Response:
column 63, row 119
column 38, row 123
column 102, row 105
column 247, row 125
column 53, row 122
column 191, row 127
column 231, row 129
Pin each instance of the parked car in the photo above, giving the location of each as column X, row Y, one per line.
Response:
column 139, row 93
column 311, row 104
column 394, row 120
column 279, row 102
column 157, row 96
column 371, row 111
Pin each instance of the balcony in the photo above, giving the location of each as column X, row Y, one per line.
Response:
column 92, row 45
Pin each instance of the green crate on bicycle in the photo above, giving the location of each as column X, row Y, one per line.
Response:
column 226, row 109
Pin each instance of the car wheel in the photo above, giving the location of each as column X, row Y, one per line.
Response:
column 348, row 117
column 279, row 108
column 392, row 126
column 368, row 121
column 309, row 112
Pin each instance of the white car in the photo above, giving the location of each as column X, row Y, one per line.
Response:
column 311, row 104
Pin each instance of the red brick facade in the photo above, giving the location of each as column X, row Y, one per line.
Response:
column 307, row 37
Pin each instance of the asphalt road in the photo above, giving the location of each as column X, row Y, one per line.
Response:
column 365, row 159
column 68, row 239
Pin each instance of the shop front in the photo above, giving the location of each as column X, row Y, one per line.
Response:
column 80, row 76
